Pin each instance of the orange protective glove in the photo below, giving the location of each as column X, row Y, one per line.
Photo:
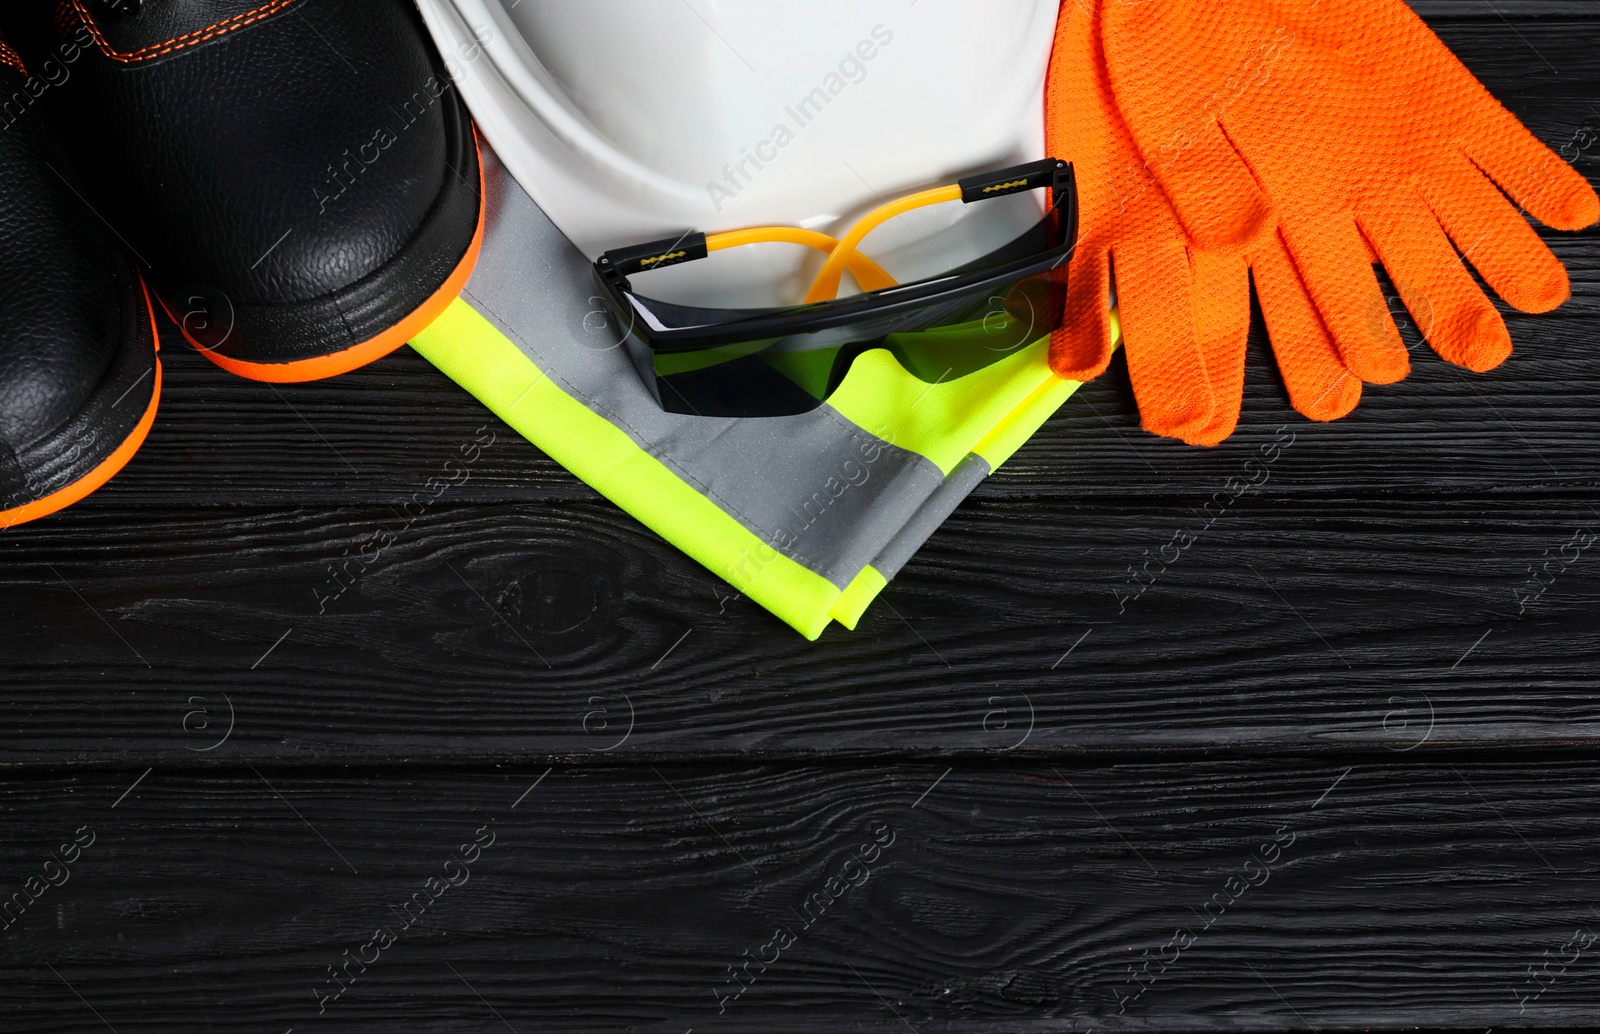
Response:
column 1185, row 313
column 1354, row 126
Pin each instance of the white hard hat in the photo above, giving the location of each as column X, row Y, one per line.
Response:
column 633, row 120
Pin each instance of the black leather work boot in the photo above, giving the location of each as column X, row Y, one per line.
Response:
column 79, row 376
column 299, row 177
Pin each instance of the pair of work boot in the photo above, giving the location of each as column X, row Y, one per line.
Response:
column 295, row 182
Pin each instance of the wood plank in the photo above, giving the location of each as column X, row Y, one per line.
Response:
column 1523, row 14
column 1029, row 897
column 488, row 632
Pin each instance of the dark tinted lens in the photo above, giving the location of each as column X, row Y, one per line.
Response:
column 999, row 324
column 945, row 333
column 941, row 342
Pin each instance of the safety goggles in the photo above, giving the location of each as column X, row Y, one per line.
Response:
column 786, row 360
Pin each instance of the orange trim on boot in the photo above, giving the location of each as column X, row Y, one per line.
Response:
column 356, row 356
column 9, row 57
column 108, row 467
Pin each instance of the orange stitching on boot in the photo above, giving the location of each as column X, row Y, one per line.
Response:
column 66, row 18
column 188, row 39
column 9, row 57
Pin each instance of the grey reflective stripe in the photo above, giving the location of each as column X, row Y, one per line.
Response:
column 933, row 512
column 815, row 486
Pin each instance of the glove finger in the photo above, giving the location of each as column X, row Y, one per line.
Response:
column 1552, row 191
column 1319, row 384
column 1210, row 186
column 1453, row 314
column 1334, row 265
column 1221, row 288
column 1494, row 237
column 1496, row 140
column 1080, row 349
column 1164, row 361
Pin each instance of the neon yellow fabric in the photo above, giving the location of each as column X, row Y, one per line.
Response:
column 853, row 602
column 990, row 412
column 471, row 352
column 1021, row 423
column 995, row 448
column 943, row 421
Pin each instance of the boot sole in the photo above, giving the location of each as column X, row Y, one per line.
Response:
column 331, row 309
column 63, row 455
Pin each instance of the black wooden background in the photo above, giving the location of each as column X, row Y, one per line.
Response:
column 1333, row 767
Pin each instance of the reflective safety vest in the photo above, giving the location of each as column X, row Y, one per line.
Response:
column 809, row 516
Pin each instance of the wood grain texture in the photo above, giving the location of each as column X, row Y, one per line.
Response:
column 1013, row 896
column 1089, row 710
column 536, row 630
column 1443, row 14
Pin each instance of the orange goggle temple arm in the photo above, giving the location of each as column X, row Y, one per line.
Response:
column 1013, row 180
column 868, row 274
column 826, row 284
column 623, row 262
column 842, row 253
